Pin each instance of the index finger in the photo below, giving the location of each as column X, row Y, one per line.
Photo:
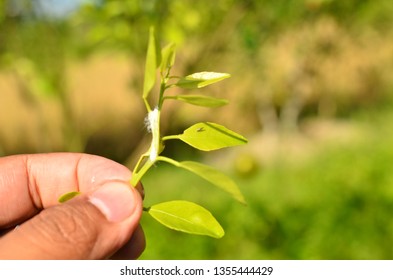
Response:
column 30, row 183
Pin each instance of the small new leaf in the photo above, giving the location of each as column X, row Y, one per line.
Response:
column 207, row 136
column 201, row 79
column 200, row 100
column 187, row 217
column 67, row 196
column 168, row 55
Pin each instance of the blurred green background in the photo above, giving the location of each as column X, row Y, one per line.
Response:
column 311, row 88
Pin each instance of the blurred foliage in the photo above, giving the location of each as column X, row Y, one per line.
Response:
column 336, row 205
column 71, row 83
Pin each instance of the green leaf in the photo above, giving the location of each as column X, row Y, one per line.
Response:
column 187, row 217
column 168, row 55
column 207, row 136
column 210, row 174
column 150, row 65
column 67, row 196
column 201, row 79
column 215, row 177
column 200, row 100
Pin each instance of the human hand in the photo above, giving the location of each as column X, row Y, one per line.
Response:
column 100, row 223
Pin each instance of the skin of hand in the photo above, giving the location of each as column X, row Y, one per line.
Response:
column 100, row 223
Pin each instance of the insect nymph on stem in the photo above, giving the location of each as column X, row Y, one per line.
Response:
column 154, row 127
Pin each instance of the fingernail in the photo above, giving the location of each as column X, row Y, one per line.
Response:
column 115, row 200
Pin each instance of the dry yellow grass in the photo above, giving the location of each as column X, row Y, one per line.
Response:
column 320, row 65
column 100, row 97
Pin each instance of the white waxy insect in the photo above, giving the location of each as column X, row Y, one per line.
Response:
column 153, row 120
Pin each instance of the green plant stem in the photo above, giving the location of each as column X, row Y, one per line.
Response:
column 136, row 168
column 147, row 105
column 136, row 176
column 170, row 137
column 170, row 97
column 168, row 160
column 161, row 97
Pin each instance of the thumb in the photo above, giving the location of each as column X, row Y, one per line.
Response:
column 90, row 226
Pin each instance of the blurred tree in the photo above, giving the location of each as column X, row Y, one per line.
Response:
column 34, row 48
column 236, row 36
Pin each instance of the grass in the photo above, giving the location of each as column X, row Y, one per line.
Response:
column 336, row 205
